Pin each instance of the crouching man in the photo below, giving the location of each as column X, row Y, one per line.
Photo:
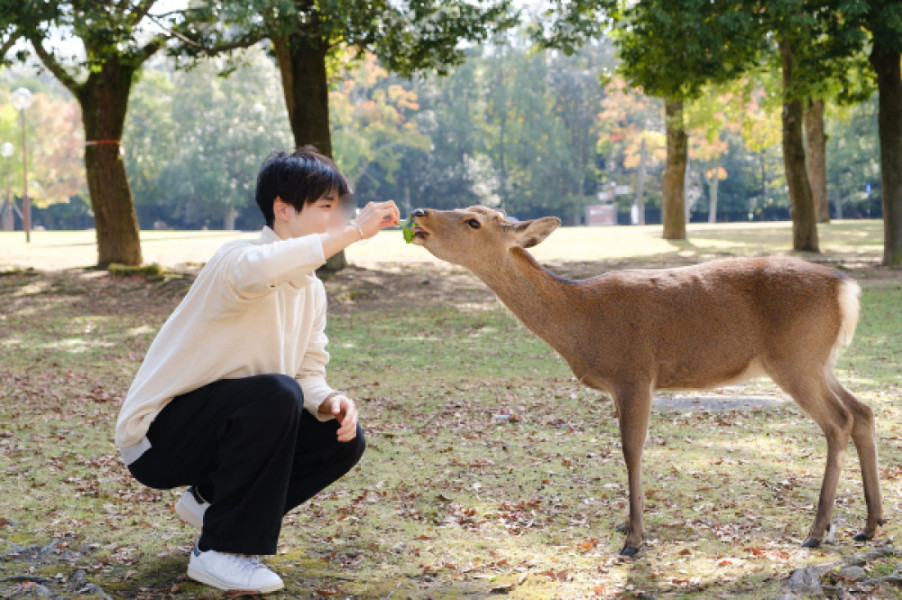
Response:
column 231, row 399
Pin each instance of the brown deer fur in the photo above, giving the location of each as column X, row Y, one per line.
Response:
column 632, row 332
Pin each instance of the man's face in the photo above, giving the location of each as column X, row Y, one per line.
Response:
column 342, row 211
column 316, row 217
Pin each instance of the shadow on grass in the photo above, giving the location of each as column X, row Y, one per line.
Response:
column 159, row 576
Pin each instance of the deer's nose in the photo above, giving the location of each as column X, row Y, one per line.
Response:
column 419, row 212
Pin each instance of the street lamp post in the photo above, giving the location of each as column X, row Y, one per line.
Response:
column 6, row 150
column 21, row 99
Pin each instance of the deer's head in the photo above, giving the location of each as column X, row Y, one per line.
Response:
column 477, row 234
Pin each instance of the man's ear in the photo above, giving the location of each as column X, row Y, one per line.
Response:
column 282, row 210
column 530, row 233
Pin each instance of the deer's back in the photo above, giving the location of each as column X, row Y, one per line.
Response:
column 701, row 325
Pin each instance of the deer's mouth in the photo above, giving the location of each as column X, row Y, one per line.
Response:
column 419, row 234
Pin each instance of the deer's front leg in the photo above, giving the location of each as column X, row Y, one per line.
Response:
column 633, row 407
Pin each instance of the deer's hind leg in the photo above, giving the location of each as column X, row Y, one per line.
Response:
column 809, row 389
column 863, row 437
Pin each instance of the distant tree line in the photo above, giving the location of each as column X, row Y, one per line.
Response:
column 116, row 40
column 674, row 111
column 822, row 50
column 534, row 133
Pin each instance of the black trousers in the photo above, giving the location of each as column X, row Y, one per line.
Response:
column 251, row 450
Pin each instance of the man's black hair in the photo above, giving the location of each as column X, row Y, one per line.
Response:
column 298, row 178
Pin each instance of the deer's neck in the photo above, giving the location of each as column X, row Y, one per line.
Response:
column 542, row 301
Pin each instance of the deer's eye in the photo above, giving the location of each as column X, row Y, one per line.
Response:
column 474, row 223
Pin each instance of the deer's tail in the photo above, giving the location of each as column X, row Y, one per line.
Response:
column 849, row 309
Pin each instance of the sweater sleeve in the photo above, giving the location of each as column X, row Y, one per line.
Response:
column 258, row 269
column 312, row 371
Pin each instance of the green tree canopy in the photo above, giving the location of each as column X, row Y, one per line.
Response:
column 876, row 26
column 195, row 141
column 671, row 49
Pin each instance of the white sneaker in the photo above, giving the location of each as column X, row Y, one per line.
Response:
column 232, row 572
column 190, row 510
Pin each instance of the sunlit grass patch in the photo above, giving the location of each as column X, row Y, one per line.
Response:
column 862, row 239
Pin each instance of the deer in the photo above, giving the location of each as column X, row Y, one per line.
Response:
column 629, row 333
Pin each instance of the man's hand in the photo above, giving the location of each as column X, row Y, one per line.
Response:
column 345, row 412
column 376, row 216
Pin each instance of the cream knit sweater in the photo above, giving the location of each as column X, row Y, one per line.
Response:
column 256, row 307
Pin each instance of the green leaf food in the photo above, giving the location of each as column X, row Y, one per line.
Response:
column 407, row 228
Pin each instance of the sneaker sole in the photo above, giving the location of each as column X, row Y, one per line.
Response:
column 187, row 516
column 208, row 579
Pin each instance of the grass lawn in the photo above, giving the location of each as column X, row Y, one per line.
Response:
column 848, row 239
column 449, row 501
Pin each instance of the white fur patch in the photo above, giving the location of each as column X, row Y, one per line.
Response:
column 849, row 308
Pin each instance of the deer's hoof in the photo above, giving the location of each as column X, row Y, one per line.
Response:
column 629, row 551
column 861, row 537
column 811, row 543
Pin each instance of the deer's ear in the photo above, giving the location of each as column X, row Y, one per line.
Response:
column 530, row 233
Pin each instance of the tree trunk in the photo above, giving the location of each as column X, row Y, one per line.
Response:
column 302, row 65
column 687, row 181
column 640, row 182
column 228, row 221
column 8, row 220
column 104, row 98
column 712, row 190
column 674, row 171
column 804, row 222
column 502, row 129
column 763, row 177
column 889, row 123
column 816, row 159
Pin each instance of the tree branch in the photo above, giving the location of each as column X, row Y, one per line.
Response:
column 53, row 65
column 13, row 38
column 243, row 42
column 248, row 39
column 141, row 10
column 181, row 11
column 183, row 38
column 150, row 48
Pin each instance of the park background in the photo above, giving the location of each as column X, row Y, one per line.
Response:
column 490, row 472
column 536, row 133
